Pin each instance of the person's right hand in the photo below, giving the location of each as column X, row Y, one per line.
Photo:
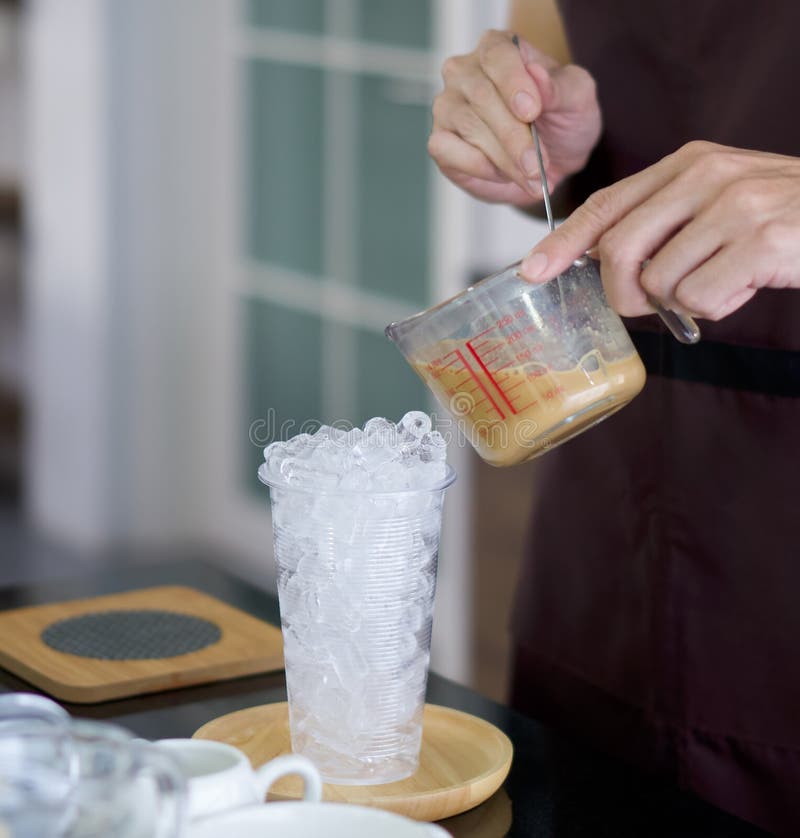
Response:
column 481, row 138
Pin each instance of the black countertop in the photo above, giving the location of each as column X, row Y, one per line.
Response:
column 555, row 787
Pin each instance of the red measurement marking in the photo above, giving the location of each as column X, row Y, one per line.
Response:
column 491, row 348
column 522, row 395
column 484, row 332
column 478, row 381
column 448, row 364
column 528, row 406
column 489, row 376
column 518, row 384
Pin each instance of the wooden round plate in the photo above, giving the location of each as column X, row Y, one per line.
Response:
column 463, row 761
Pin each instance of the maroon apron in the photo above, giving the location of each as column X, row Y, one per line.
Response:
column 659, row 610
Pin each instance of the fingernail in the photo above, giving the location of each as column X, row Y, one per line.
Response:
column 533, row 265
column 529, row 162
column 524, row 106
column 535, row 188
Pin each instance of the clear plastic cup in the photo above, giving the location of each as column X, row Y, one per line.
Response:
column 356, row 583
column 524, row 367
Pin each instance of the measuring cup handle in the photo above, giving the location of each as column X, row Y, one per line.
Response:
column 290, row 764
column 682, row 327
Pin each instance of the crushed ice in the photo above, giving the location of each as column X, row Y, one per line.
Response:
column 381, row 456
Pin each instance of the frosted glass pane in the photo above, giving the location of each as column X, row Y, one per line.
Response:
column 282, row 388
column 300, row 15
column 393, row 207
column 406, row 23
column 283, row 178
column 387, row 386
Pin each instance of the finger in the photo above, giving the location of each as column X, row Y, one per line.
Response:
column 503, row 63
column 496, row 193
column 623, row 291
column 467, row 124
column 591, row 220
column 682, row 254
column 632, row 241
column 452, row 154
column 736, row 302
column 720, row 284
column 510, row 134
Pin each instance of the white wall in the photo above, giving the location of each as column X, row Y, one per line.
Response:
column 164, row 112
column 120, row 258
column 68, row 262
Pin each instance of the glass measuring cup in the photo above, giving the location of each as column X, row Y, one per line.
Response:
column 521, row 367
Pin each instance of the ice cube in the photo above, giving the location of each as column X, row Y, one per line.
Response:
column 299, row 445
column 354, row 436
column 274, row 454
column 298, row 472
column 415, row 423
column 376, row 457
column 380, row 427
column 433, row 447
column 330, row 432
column 350, row 664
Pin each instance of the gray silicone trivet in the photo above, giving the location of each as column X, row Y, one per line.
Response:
column 131, row 635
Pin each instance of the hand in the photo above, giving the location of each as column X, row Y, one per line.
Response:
column 481, row 138
column 716, row 223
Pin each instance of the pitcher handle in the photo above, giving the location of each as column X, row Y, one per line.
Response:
column 290, row 764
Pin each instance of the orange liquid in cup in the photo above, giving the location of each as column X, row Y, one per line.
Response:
column 528, row 410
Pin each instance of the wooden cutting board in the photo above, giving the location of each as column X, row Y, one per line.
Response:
column 143, row 641
column 463, row 761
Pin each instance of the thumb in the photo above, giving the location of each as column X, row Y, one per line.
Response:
column 530, row 54
column 574, row 89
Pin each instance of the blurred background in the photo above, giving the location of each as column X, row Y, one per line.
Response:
column 208, row 214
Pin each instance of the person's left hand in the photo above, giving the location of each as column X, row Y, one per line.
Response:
column 716, row 223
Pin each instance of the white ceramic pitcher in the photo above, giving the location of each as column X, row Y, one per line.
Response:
column 220, row 777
